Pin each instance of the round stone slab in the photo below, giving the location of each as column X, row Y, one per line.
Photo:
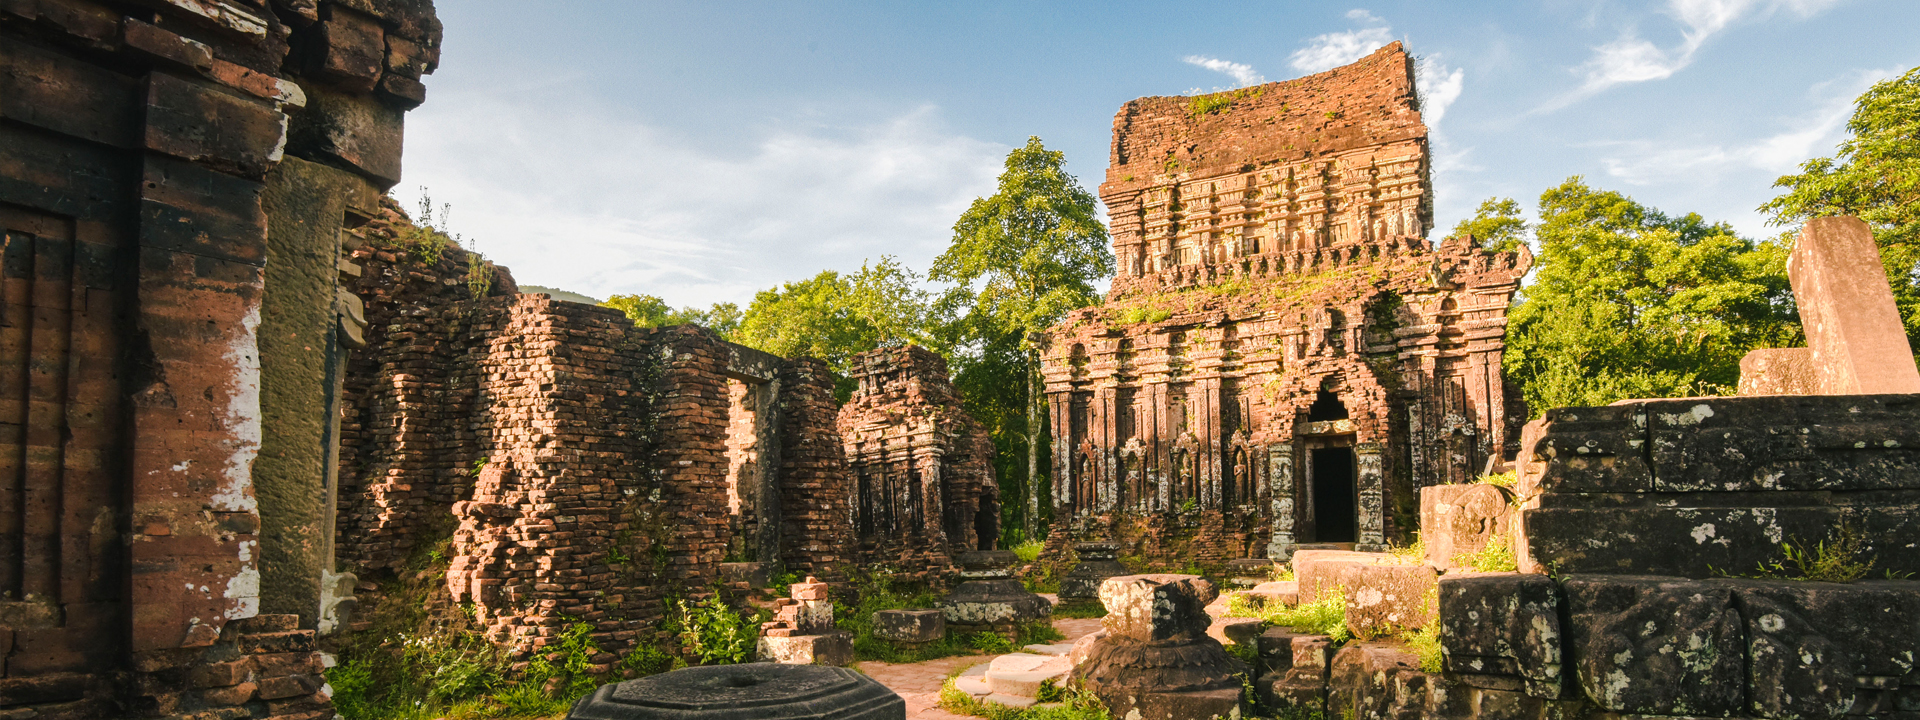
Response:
column 759, row 690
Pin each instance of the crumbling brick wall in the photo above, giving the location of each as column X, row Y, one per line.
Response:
column 162, row 166
column 815, row 490
column 923, row 481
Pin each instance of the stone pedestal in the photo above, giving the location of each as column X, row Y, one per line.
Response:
column 909, row 626
column 758, row 690
column 1097, row 563
column 990, row 599
column 1155, row 660
column 802, row 631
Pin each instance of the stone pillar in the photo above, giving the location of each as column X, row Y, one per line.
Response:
column 1280, row 490
column 1858, row 341
column 1372, row 505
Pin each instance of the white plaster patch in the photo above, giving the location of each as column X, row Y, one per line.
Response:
column 182, row 467
column 243, row 418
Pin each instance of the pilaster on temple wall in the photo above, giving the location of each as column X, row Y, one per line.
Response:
column 1283, row 359
column 924, row 485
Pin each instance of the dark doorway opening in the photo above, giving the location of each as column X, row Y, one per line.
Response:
column 1335, row 499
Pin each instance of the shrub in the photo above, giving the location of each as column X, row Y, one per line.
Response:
column 1495, row 556
column 714, row 633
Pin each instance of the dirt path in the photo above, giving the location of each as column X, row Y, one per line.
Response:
column 920, row 682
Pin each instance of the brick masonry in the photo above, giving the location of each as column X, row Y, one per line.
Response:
column 155, row 162
column 924, row 487
column 1277, row 318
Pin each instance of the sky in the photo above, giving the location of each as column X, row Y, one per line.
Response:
column 703, row 151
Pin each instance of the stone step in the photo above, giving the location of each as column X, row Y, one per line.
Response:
column 1054, row 649
column 975, row 685
column 1022, row 674
column 1012, row 701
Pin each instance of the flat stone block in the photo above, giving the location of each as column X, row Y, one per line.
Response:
column 1022, row 673
column 834, row 648
column 1586, row 450
column 910, row 626
column 975, row 685
column 1503, row 624
column 1236, row 631
column 1778, row 371
column 1054, row 649
column 757, row 690
column 1285, row 592
column 1820, row 649
column 1223, row 704
column 1697, row 541
column 1013, row 701
column 1317, row 571
column 1382, row 599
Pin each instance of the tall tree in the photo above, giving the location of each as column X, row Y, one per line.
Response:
column 1630, row 302
column 1875, row 176
column 1023, row 258
column 834, row 317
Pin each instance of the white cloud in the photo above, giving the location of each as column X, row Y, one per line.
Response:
column 1644, row 162
column 1329, row 51
column 1439, row 87
column 1631, row 59
column 1240, row 72
column 594, row 201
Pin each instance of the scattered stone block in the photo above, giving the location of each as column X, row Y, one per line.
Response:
column 833, row 648
column 909, row 626
column 1284, row 592
column 1096, row 564
column 1023, row 674
column 1385, row 598
column 1154, row 659
column 802, row 630
column 1378, row 680
column 995, row 602
column 1317, row 571
column 1236, row 631
column 1503, row 624
column 1820, row 649
column 1052, row 649
column 1457, row 520
column 1858, row 342
column 788, row 692
column 1657, row 645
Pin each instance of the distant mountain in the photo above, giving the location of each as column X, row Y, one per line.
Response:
column 559, row 294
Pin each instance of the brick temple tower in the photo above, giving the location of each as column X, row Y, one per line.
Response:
column 1283, row 358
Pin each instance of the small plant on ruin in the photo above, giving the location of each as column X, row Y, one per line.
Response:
column 1280, row 573
column 1326, row 616
column 1074, row 704
column 1210, row 104
column 479, row 275
column 1188, row 506
column 1413, row 554
column 647, row 659
column 991, row 643
column 1838, row 558
column 1495, row 556
column 1505, row 479
column 714, row 633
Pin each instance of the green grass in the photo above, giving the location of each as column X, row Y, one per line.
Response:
column 1838, row 559
column 1080, row 609
column 1075, row 704
column 1495, row 556
column 1029, row 551
column 1326, row 616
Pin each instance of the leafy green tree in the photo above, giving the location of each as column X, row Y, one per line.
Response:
column 1629, row 302
column 650, row 311
column 834, row 317
column 1875, row 176
column 1497, row 224
column 1021, row 259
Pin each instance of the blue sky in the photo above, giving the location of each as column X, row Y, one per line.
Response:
column 701, row 151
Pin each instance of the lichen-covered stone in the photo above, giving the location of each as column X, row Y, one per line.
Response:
column 1316, row 572
column 1503, row 624
column 993, row 602
column 909, row 626
column 1657, row 645
column 1460, row 519
column 1814, row 648
column 1154, row 656
column 1388, row 597
column 1096, row 564
column 757, row 690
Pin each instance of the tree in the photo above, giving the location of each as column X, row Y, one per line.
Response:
column 1875, row 176
column 1021, row 259
column 1496, row 224
column 649, row 311
column 1629, row 302
column 834, row 317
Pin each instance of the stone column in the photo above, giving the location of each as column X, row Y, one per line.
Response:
column 1853, row 328
column 1372, row 506
column 1280, row 491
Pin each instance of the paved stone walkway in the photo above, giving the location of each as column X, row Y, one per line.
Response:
column 920, row 682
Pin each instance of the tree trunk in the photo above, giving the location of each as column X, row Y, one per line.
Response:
column 1034, row 401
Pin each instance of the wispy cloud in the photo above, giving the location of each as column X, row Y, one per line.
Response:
column 1439, row 87
column 1633, row 59
column 592, row 200
column 1643, row 162
column 1242, row 73
column 1329, row 51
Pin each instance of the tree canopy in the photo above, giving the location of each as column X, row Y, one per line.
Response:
column 650, row 311
column 1630, row 302
column 1497, row 224
column 1875, row 176
column 834, row 317
column 1020, row 260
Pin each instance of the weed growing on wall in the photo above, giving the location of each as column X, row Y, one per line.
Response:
column 1840, row 558
column 1495, row 556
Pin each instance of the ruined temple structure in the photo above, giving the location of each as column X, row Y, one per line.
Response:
column 1283, row 358
column 175, row 177
column 923, row 468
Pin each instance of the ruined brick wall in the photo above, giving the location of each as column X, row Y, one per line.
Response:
column 149, row 207
column 816, row 492
column 923, row 481
column 1261, row 377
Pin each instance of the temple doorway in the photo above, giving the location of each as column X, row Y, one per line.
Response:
column 1335, row 495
